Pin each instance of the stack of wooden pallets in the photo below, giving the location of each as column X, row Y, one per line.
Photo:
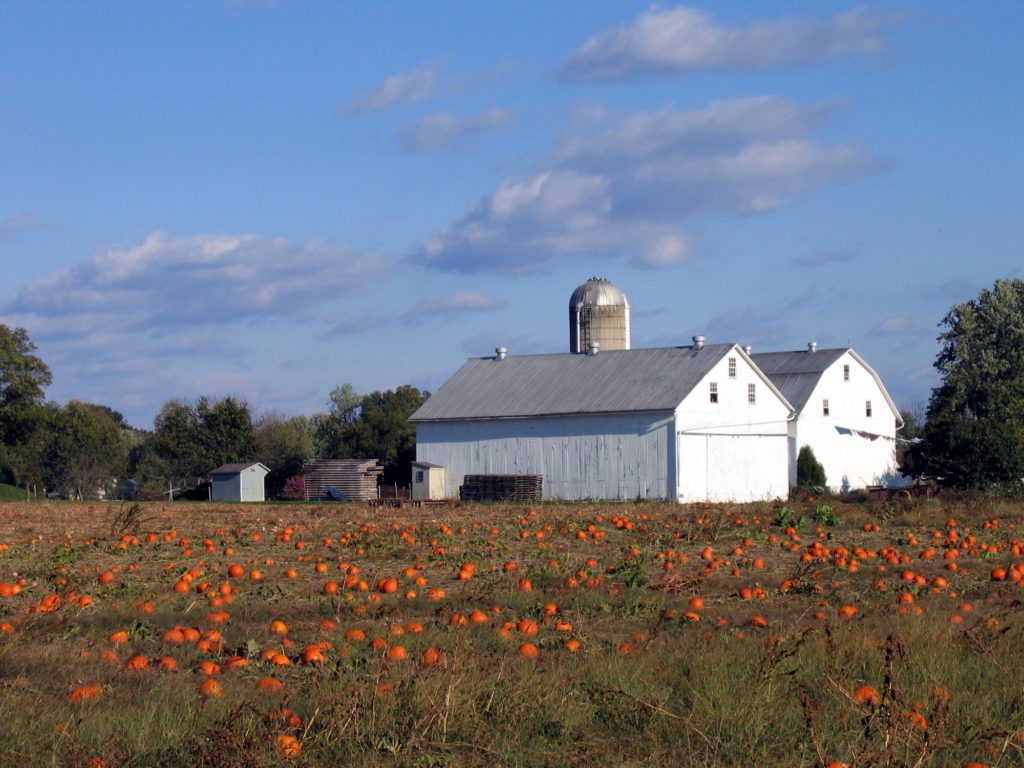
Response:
column 501, row 488
column 356, row 479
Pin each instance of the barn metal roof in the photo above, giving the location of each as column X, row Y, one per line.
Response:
column 802, row 361
column 615, row 381
column 796, row 374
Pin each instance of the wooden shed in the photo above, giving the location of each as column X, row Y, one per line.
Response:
column 239, row 482
column 431, row 482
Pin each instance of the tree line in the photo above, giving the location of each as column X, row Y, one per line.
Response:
column 971, row 436
column 88, row 450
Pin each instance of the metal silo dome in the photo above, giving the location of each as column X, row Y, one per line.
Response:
column 598, row 314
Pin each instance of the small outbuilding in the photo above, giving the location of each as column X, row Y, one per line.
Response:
column 431, row 482
column 239, row 482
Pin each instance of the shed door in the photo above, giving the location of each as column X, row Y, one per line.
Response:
column 732, row 467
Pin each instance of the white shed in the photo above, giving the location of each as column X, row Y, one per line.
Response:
column 239, row 482
column 698, row 423
column 431, row 482
column 844, row 414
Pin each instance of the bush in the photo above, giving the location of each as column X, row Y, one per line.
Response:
column 809, row 471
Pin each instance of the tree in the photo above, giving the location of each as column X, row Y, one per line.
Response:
column 188, row 441
column 225, row 432
column 285, row 445
column 973, row 436
column 333, row 431
column 373, row 426
column 383, row 430
column 809, row 471
column 23, row 378
column 87, row 452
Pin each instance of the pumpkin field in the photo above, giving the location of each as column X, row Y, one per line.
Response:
column 812, row 633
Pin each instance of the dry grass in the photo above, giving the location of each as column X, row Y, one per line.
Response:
column 649, row 685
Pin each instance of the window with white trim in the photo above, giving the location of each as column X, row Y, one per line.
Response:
column 867, row 408
column 846, row 373
column 752, row 394
column 714, row 391
column 419, row 475
column 824, row 407
column 732, row 367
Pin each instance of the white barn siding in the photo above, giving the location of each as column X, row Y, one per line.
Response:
column 732, row 450
column 850, row 460
column 616, row 456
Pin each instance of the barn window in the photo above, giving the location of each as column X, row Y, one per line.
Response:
column 752, row 394
column 732, row 367
column 714, row 391
column 419, row 475
column 824, row 407
column 867, row 408
column 846, row 373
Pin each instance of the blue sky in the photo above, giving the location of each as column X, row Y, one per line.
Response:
column 269, row 199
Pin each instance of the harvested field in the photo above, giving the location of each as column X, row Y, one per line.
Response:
column 808, row 634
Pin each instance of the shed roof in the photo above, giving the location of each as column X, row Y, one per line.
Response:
column 796, row 374
column 614, row 381
column 234, row 469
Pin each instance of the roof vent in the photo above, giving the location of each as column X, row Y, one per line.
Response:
column 698, row 341
column 812, row 346
column 500, row 353
column 748, row 349
column 593, row 348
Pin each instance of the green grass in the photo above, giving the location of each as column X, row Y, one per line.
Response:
column 11, row 493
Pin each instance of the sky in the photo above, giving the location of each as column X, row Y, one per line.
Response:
column 269, row 199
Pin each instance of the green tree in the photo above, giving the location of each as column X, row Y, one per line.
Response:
column 809, row 471
column 86, row 454
column 285, row 445
column 333, row 432
column 383, row 430
column 190, row 440
column 225, row 432
column 23, row 379
column 973, row 436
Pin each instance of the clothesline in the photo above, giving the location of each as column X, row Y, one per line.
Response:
column 861, row 433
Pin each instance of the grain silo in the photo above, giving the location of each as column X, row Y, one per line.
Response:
column 598, row 313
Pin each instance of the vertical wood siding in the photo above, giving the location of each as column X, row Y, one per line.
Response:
column 580, row 457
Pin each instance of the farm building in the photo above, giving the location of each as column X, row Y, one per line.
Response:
column 239, row 482
column 843, row 412
column 697, row 423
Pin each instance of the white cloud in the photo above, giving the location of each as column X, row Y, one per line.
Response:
column 400, row 88
column 626, row 185
column 673, row 40
column 179, row 316
column 445, row 129
column 166, row 282
column 447, row 303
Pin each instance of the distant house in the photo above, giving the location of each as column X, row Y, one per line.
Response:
column 697, row 423
column 239, row 482
column 844, row 413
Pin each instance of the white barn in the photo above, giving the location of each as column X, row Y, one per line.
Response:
column 239, row 482
column 700, row 423
column 843, row 411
